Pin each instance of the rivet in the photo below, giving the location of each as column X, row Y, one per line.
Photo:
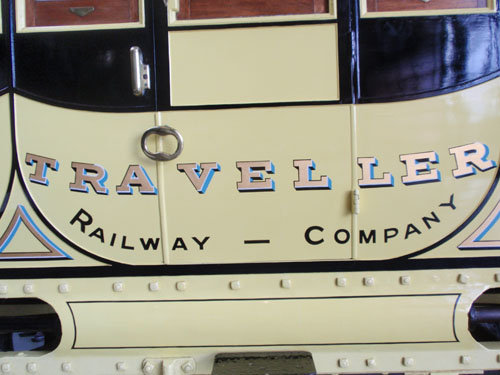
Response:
column 465, row 359
column 187, row 367
column 286, row 283
column 405, row 280
column 118, row 286
column 28, row 288
column 408, row 361
column 341, row 281
column 32, row 367
column 343, row 362
column 5, row 367
column 497, row 277
column 121, row 366
column 181, row 286
column 3, row 289
column 370, row 362
column 148, row 368
column 63, row 288
column 154, row 287
column 235, row 285
column 369, row 281
column 463, row 278
column 66, row 367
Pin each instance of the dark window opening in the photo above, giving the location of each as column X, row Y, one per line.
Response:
column 28, row 324
column 484, row 317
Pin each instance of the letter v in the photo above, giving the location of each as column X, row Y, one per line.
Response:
column 200, row 177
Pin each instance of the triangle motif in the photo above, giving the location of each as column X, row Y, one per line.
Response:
column 475, row 240
column 21, row 216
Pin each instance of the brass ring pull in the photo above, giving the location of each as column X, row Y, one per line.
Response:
column 162, row 131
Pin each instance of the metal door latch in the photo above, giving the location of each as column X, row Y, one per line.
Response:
column 162, row 131
column 140, row 72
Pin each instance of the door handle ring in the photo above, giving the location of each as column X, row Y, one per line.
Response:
column 164, row 130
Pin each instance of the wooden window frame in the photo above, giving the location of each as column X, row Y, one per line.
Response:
column 105, row 14
column 405, row 8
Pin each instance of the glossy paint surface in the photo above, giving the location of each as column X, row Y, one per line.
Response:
column 423, row 56
column 239, row 268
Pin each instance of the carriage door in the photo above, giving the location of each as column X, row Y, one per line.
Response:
column 85, row 94
column 264, row 174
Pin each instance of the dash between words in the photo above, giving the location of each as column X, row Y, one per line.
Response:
column 256, row 175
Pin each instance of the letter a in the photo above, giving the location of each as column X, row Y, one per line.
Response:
column 136, row 176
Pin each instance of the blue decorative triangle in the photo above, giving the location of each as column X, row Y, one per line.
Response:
column 475, row 240
column 22, row 216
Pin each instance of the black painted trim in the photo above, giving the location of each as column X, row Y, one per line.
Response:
column 13, row 156
column 406, row 58
column 84, row 69
column 352, row 75
column 347, row 49
column 454, row 320
column 252, row 105
column 118, row 270
column 81, row 106
column 431, row 93
column 161, row 56
column 253, row 24
column 267, row 345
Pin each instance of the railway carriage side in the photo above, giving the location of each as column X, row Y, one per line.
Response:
column 190, row 187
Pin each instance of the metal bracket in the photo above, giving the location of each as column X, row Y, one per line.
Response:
column 168, row 366
column 179, row 366
column 355, row 202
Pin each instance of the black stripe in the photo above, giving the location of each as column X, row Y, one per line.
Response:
column 252, row 268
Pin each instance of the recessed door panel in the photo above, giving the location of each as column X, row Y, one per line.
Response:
column 256, row 185
column 87, row 175
column 254, row 65
column 424, row 169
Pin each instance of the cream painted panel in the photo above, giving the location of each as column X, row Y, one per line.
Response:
column 439, row 124
column 254, row 65
column 118, row 225
column 230, row 217
column 423, row 295
column 411, row 319
column 5, row 146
